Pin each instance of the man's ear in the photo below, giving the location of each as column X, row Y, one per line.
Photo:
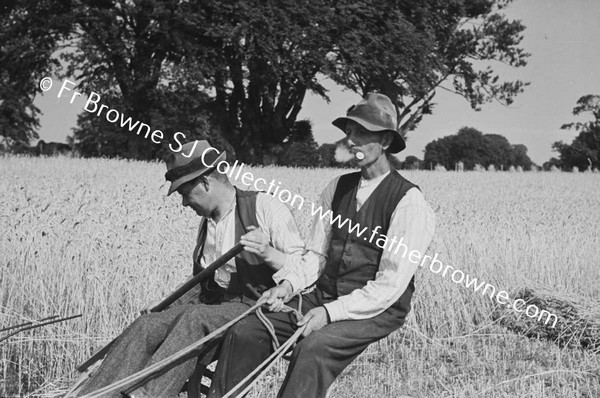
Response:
column 387, row 139
column 208, row 183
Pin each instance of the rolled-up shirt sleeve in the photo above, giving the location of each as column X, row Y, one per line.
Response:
column 303, row 270
column 412, row 224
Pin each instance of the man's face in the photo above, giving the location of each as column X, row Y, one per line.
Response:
column 362, row 140
column 195, row 195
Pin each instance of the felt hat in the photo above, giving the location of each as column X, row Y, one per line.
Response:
column 193, row 160
column 376, row 113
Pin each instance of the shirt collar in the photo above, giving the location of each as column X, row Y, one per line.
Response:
column 226, row 213
column 373, row 181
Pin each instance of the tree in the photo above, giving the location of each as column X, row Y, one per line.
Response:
column 471, row 147
column 468, row 146
column 520, row 157
column 409, row 49
column 181, row 110
column 412, row 163
column 265, row 56
column 300, row 154
column 256, row 60
column 132, row 53
column 437, row 152
column 553, row 162
column 498, row 152
column 587, row 104
column 131, row 47
column 29, row 34
column 584, row 151
column 301, row 150
column 95, row 136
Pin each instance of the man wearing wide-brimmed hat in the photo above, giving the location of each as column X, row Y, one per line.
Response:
column 227, row 216
column 364, row 280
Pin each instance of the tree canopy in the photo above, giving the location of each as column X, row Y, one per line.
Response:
column 412, row 163
column 584, row 150
column 409, row 49
column 247, row 65
column 29, row 34
column 471, row 147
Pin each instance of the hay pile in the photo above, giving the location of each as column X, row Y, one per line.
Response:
column 578, row 323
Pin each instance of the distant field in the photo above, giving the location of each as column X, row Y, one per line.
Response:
column 100, row 237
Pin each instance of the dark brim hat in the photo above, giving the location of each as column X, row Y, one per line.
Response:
column 376, row 113
column 193, row 160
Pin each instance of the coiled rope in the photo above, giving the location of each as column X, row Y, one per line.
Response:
column 269, row 326
column 278, row 350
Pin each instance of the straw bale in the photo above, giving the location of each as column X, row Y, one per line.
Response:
column 578, row 324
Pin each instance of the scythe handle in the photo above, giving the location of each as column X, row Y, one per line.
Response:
column 177, row 294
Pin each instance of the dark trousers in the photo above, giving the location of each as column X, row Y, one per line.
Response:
column 153, row 337
column 316, row 360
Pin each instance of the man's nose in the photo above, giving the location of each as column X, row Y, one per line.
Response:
column 349, row 140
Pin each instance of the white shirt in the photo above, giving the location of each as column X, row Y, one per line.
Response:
column 413, row 220
column 274, row 219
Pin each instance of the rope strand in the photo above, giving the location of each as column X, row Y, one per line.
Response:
column 265, row 365
column 269, row 325
column 278, row 351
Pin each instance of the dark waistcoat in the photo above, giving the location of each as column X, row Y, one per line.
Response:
column 250, row 270
column 353, row 260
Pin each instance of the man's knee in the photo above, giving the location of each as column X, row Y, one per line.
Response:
column 315, row 345
column 238, row 333
column 248, row 332
column 143, row 322
column 190, row 317
column 142, row 326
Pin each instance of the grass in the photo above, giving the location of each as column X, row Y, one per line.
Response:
column 99, row 237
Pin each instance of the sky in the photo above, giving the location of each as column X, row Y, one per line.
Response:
column 562, row 38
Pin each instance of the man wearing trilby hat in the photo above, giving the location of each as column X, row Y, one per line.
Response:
column 364, row 284
column 227, row 216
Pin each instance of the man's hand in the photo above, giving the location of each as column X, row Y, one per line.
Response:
column 149, row 307
column 314, row 319
column 278, row 295
column 154, row 303
column 256, row 242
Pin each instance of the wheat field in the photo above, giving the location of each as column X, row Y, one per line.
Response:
column 99, row 237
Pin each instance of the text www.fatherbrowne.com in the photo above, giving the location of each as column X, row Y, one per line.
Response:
column 94, row 106
column 382, row 241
